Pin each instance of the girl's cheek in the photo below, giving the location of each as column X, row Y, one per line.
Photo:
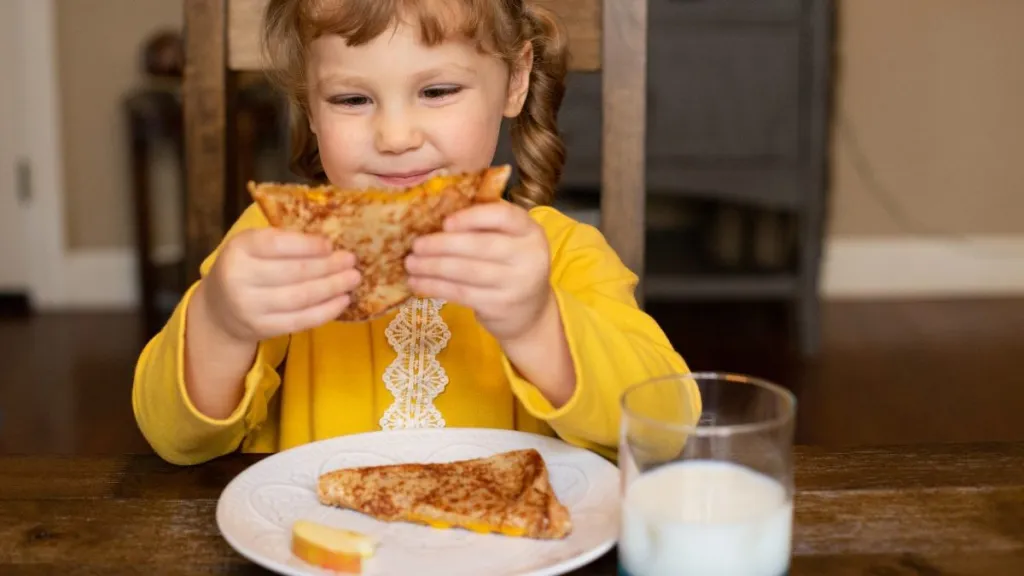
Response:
column 474, row 144
column 340, row 152
column 467, row 135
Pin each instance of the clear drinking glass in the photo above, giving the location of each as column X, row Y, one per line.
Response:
column 707, row 481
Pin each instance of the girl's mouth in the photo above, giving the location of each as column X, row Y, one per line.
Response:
column 404, row 179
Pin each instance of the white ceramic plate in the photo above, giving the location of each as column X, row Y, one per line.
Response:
column 256, row 510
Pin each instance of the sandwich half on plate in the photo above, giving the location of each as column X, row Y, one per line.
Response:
column 508, row 493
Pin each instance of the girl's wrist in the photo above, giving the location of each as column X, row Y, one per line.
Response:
column 215, row 361
column 202, row 318
column 541, row 355
column 534, row 332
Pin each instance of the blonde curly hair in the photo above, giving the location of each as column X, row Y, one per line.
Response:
column 497, row 27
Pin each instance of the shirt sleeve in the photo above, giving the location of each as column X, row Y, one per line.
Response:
column 612, row 342
column 174, row 428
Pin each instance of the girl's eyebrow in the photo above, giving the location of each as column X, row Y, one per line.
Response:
column 431, row 73
column 344, row 79
column 333, row 78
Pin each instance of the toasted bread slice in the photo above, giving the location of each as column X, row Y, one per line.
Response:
column 378, row 226
column 507, row 493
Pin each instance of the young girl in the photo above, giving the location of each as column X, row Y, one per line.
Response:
column 528, row 319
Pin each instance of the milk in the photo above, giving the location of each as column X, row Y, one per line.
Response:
column 705, row 518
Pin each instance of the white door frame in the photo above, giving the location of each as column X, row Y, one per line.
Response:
column 59, row 278
column 45, row 244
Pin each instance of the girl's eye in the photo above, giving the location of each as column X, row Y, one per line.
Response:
column 349, row 101
column 438, row 92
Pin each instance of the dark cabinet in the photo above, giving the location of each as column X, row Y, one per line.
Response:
column 731, row 91
column 738, row 112
column 579, row 122
column 709, row 79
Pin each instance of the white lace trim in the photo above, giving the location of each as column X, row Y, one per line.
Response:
column 415, row 378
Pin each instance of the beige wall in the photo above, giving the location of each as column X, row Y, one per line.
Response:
column 98, row 48
column 933, row 91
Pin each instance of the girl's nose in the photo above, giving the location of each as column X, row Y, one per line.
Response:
column 397, row 132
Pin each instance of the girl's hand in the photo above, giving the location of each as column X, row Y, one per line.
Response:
column 492, row 258
column 267, row 282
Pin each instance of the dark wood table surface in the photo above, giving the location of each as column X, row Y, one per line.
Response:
column 953, row 509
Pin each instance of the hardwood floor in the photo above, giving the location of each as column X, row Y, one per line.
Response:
column 65, row 386
column 888, row 373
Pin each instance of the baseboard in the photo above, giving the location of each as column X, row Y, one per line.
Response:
column 854, row 268
column 909, row 268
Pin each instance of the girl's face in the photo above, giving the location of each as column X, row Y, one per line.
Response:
column 394, row 111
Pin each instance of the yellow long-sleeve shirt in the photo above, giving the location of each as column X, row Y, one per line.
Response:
column 428, row 364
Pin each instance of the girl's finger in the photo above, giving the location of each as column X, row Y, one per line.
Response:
column 463, row 294
column 495, row 216
column 479, row 273
column 283, row 272
column 276, row 243
column 309, row 294
column 292, row 322
column 492, row 246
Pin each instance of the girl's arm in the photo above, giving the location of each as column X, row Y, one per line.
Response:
column 542, row 356
column 215, row 363
column 195, row 397
column 601, row 336
column 167, row 412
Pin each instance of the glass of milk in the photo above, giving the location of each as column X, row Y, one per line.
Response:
column 707, row 477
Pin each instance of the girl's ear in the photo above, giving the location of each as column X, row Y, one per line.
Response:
column 312, row 125
column 519, row 83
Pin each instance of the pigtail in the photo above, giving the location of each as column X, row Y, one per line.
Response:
column 538, row 148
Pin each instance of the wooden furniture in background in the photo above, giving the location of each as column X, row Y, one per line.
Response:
column 938, row 509
column 154, row 117
column 738, row 111
column 739, row 114
column 222, row 41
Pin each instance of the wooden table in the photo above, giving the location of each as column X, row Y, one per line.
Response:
column 926, row 510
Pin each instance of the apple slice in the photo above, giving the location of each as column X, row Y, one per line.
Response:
column 331, row 548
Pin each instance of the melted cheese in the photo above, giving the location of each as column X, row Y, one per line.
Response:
column 478, row 527
column 434, row 185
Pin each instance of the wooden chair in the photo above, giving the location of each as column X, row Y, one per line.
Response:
column 222, row 41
